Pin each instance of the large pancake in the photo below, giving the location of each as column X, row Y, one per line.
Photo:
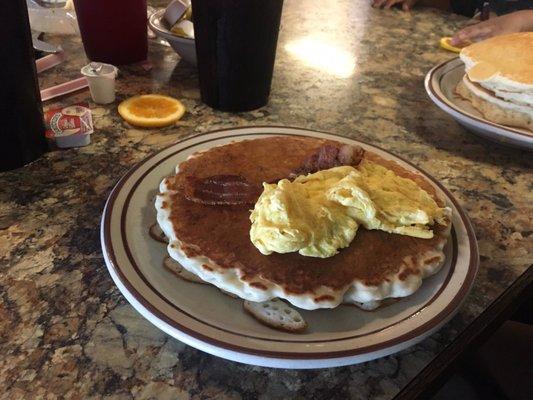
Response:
column 214, row 242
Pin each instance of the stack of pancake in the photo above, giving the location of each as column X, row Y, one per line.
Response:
column 499, row 79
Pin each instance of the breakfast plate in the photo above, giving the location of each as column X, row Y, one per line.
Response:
column 440, row 85
column 205, row 318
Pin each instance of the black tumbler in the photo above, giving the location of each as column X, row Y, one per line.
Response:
column 236, row 48
column 21, row 115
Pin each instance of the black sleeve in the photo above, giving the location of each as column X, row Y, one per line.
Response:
column 465, row 7
column 501, row 7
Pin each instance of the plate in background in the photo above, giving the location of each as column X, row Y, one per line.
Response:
column 440, row 85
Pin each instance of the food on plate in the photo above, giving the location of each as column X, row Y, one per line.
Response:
column 151, row 110
column 157, row 234
column 180, row 272
column 499, row 79
column 221, row 190
column 276, row 314
column 398, row 225
column 318, row 214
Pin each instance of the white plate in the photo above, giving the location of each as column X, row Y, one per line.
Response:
column 440, row 85
column 203, row 317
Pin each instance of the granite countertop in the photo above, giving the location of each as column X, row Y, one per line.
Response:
column 65, row 329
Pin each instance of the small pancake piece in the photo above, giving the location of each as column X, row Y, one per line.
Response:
column 213, row 242
column 174, row 267
column 276, row 314
column 182, row 273
column 157, row 234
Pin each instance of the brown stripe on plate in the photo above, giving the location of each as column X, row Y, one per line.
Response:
column 170, row 303
column 439, row 318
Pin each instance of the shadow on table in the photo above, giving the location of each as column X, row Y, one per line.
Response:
column 441, row 131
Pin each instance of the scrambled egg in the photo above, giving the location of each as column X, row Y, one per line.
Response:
column 318, row 214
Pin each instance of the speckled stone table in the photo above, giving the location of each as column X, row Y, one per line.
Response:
column 65, row 329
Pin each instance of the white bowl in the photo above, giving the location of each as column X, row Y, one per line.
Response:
column 183, row 46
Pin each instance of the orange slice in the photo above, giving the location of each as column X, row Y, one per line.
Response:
column 151, row 110
column 445, row 43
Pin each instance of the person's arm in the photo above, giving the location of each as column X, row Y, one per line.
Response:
column 519, row 21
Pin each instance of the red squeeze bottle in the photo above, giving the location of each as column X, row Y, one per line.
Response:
column 113, row 32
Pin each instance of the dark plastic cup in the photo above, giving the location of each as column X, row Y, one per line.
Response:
column 113, row 31
column 21, row 113
column 236, row 48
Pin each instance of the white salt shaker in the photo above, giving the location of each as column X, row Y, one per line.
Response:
column 101, row 78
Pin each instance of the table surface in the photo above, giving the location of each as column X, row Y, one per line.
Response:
column 65, row 329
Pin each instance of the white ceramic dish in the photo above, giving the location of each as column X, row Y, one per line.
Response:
column 203, row 317
column 440, row 85
column 183, row 46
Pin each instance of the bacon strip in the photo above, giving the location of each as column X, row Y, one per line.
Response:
column 329, row 156
column 350, row 155
column 234, row 189
column 222, row 190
